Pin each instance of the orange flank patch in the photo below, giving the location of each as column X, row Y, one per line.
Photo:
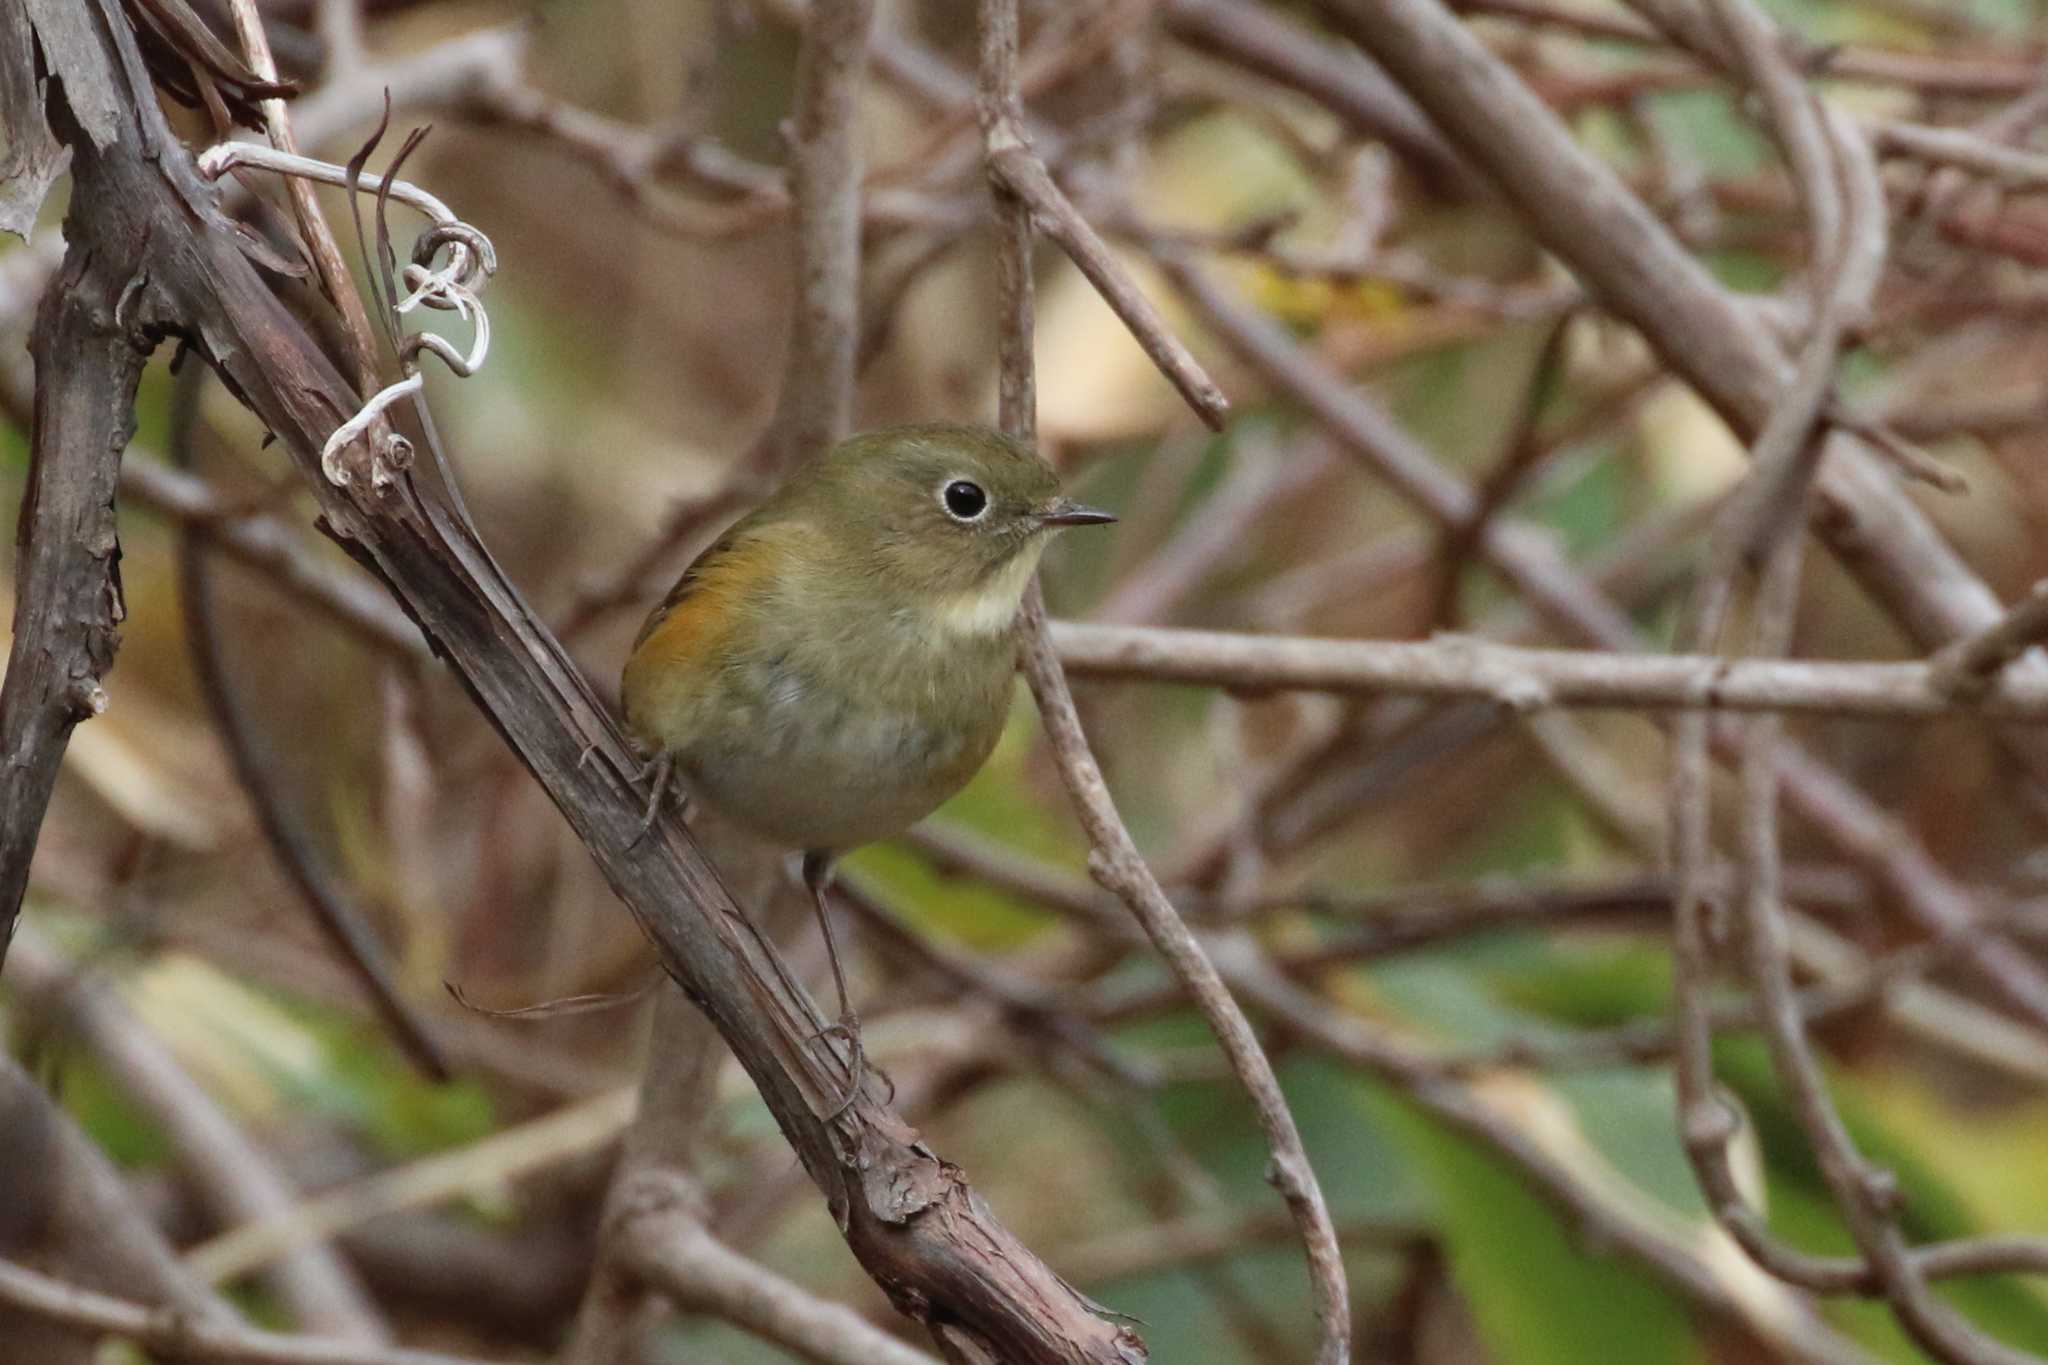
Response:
column 684, row 632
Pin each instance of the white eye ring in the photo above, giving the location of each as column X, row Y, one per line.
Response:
column 962, row 499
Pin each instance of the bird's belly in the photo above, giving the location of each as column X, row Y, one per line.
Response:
column 816, row 768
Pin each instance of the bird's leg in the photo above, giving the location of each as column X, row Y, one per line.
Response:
column 817, row 876
column 657, row 771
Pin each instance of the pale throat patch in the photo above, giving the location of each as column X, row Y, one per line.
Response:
column 991, row 608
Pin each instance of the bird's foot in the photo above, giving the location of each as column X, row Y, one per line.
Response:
column 847, row 1027
column 658, row 772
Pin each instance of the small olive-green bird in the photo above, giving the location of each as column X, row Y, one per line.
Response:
column 840, row 662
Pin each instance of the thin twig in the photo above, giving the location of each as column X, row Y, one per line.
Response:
column 1558, row 594
column 677, row 1103
column 555, row 1137
column 336, row 912
column 1521, row 678
column 825, row 163
column 235, row 1179
column 1581, row 210
column 665, row 1244
column 1520, row 457
column 335, row 280
column 1115, row 861
column 76, row 1215
column 1016, row 172
column 1032, row 1010
column 1201, row 1237
column 178, row 1334
column 1783, row 462
column 1969, row 666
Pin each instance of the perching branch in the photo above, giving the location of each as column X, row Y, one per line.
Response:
column 148, row 239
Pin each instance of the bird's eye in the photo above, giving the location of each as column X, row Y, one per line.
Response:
column 964, row 500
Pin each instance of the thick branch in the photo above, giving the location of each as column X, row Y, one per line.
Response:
column 67, row 576
column 911, row 1218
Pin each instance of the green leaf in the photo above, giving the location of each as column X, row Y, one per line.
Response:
column 1537, row 1296
column 127, row 1134
column 368, row 1084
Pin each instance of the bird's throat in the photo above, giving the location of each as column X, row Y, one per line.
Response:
column 991, row 606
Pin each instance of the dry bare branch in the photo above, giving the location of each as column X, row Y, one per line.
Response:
column 825, row 165
column 1520, row 678
column 175, row 1333
column 1114, row 860
column 233, row 1176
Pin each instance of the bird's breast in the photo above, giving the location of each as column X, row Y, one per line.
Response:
column 813, row 744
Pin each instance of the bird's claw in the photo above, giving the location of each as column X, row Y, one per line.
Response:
column 847, row 1027
column 658, row 771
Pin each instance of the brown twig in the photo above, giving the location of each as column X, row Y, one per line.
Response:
column 1265, row 475
column 1028, row 1008
column 70, row 1210
column 336, row 912
column 1889, row 980
column 1760, row 519
column 1635, row 266
column 284, row 558
column 1210, row 1236
column 1016, row 173
column 664, row 1243
column 233, row 1177
column 1371, row 105
column 1521, row 678
column 1559, row 595
column 1115, row 861
column 816, row 406
column 1972, row 664
column 678, row 1096
column 1520, row 456
column 175, row 1333
column 335, row 281
column 1867, row 1196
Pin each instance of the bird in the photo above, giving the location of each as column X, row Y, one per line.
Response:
column 841, row 660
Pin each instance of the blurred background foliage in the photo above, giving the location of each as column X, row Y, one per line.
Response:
column 631, row 368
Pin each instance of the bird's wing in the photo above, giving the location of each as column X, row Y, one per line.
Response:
column 712, row 564
column 679, row 651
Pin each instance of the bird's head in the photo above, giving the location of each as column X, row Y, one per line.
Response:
column 953, row 516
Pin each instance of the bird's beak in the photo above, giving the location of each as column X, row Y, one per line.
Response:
column 1067, row 512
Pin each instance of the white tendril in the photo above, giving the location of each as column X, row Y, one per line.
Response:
column 453, row 287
